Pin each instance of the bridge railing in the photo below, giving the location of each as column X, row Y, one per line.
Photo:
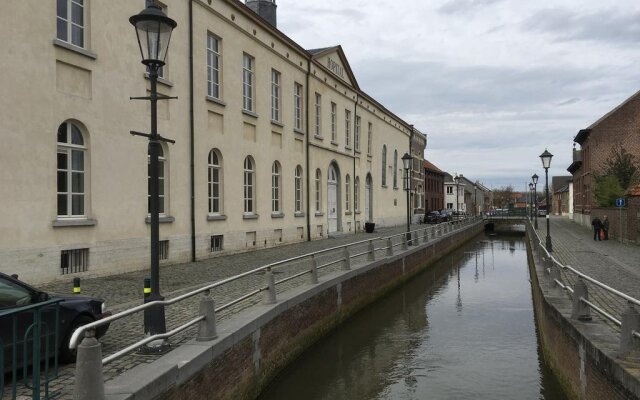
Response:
column 587, row 293
column 260, row 280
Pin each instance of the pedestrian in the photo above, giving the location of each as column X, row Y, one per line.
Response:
column 597, row 226
column 605, row 227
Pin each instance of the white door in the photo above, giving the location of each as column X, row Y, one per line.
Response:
column 332, row 200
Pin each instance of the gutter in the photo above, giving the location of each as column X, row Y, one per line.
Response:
column 306, row 168
column 192, row 137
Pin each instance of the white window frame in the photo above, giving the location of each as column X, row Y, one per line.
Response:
column 74, row 147
column 347, row 129
column 318, row 190
column 356, row 134
column 318, row 109
column 356, row 194
column 213, row 66
column 248, row 82
column 369, row 138
column 275, row 95
column 384, row 165
column 298, row 189
column 347, row 193
column 334, row 120
column 297, row 106
column 276, row 188
column 66, row 24
column 214, row 169
column 249, row 186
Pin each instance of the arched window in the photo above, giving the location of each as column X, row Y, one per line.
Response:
column 347, row 193
column 215, row 182
column 162, row 186
column 71, row 171
column 356, row 194
column 298, row 189
column 384, row 165
column 275, row 187
column 249, row 186
column 318, row 190
column 395, row 169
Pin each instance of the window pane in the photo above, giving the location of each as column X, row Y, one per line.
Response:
column 62, row 133
column 62, row 204
column 161, row 205
column 161, row 170
column 62, row 9
column 77, row 36
column 161, row 187
column 62, row 181
column 77, row 182
column 62, row 160
column 13, row 295
column 77, row 160
column 62, row 30
column 77, row 16
column 76, row 136
column 77, row 204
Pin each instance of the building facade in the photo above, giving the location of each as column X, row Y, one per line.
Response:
column 433, row 187
column 454, row 193
column 273, row 143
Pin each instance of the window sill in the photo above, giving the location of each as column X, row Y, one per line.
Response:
column 357, row 212
column 347, row 148
column 318, row 137
column 384, row 186
column 369, row 155
column 298, row 131
column 250, row 113
column 333, row 142
column 277, row 123
column 356, row 151
column 250, row 216
column 161, row 80
column 347, row 213
column 319, row 214
column 60, row 223
column 277, row 215
column 164, row 219
column 216, row 217
column 216, row 101
column 75, row 49
column 298, row 214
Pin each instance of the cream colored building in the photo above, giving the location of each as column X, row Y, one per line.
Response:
column 274, row 143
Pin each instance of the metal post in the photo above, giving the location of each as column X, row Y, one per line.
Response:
column 314, row 270
column 389, row 247
column 270, row 293
column 88, row 382
column 346, row 265
column 548, row 242
column 76, row 286
column 555, row 273
column 371, row 256
column 630, row 323
column 207, row 327
column 580, row 310
column 405, row 239
column 535, row 205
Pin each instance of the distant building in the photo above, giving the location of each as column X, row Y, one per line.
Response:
column 433, row 187
column 454, row 193
column 560, row 192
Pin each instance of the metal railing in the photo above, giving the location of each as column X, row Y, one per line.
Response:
column 589, row 294
column 341, row 256
column 26, row 332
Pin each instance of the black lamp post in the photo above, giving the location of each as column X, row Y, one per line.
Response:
column 534, row 179
column 153, row 29
column 457, row 181
column 546, row 163
column 406, row 161
column 531, row 197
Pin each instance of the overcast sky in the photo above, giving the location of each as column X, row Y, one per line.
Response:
column 492, row 82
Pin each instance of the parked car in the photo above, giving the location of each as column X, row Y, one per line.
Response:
column 74, row 311
column 433, row 217
column 447, row 215
column 542, row 212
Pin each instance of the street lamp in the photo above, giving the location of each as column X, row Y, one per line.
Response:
column 406, row 161
column 546, row 163
column 531, row 197
column 534, row 178
column 153, row 30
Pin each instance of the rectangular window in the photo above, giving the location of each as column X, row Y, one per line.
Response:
column 334, row 118
column 72, row 261
column 297, row 106
column 216, row 243
column 213, row 66
column 275, row 95
column 318, row 114
column 247, row 82
column 449, row 206
column 449, row 189
column 70, row 21
column 356, row 134
column 347, row 130
column 369, row 138
column 163, row 249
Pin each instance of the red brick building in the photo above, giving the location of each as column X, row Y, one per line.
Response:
column 620, row 126
column 433, row 187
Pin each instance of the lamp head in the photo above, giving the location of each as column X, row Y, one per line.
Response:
column 153, row 29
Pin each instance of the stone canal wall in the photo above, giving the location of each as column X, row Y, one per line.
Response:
column 582, row 354
column 255, row 345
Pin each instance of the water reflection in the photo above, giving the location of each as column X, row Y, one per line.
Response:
column 410, row 345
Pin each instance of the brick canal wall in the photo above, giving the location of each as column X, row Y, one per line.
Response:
column 252, row 348
column 583, row 355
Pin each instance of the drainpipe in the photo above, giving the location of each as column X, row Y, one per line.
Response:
column 307, row 152
column 192, row 137
column 353, row 185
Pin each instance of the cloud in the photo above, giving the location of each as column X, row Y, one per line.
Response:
column 464, row 6
column 611, row 26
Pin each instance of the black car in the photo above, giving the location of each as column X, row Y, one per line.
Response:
column 433, row 217
column 447, row 215
column 74, row 311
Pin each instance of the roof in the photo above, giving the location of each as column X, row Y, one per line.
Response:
column 428, row 165
column 633, row 191
column 583, row 134
column 563, row 189
column 318, row 51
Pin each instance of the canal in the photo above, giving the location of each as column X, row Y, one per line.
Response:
column 463, row 329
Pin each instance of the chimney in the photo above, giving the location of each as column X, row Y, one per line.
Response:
column 264, row 8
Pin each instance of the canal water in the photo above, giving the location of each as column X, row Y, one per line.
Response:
column 463, row 329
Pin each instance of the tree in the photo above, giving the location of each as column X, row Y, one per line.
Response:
column 607, row 190
column 622, row 166
column 503, row 197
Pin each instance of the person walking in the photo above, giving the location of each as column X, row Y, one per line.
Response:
column 605, row 227
column 597, row 225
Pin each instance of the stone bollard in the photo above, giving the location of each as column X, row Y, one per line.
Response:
column 630, row 323
column 425, row 236
column 314, row 270
column 88, row 383
column 404, row 241
column 389, row 247
column 76, row 286
column 270, row 293
column 371, row 256
column 580, row 311
column 346, row 265
column 207, row 327
column 555, row 274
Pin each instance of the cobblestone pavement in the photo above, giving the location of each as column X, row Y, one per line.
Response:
column 615, row 264
column 125, row 290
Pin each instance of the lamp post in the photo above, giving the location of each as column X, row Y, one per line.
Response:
column 457, row 181
column 546, row 163
column 475, row 199
column 406, row 161
column 534, row 179
column 531, row 197
column 153, row 29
